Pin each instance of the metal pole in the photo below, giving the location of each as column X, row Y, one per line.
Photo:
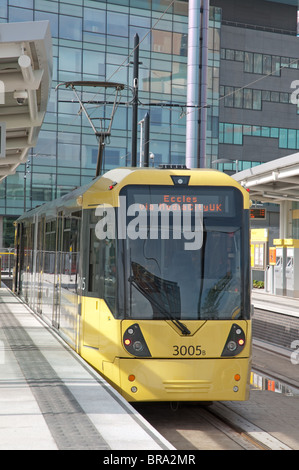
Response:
column 101, row 141
column 135, row 100
column 141, row 143
column 146, row 140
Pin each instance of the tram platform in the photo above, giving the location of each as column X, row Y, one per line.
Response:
column 50, row 399
column 275, row 303
column 275, row 320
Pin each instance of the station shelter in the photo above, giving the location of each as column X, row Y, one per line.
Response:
column 276, row 182
column 26, row 64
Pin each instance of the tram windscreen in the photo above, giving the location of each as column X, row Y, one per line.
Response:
column 182, row 252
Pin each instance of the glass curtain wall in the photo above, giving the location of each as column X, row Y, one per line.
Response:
column 93, row 40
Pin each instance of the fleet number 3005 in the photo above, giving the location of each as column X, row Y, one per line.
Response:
column 187, row 351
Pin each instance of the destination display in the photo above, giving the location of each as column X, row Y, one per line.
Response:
column 192, row 199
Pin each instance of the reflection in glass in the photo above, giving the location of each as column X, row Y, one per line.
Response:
column 163, row 278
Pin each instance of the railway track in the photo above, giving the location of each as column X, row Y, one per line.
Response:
column 192, row 426
column 219, row 426
column 195, row 427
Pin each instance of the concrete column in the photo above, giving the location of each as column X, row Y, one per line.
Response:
column 285, row 220
column 193, row 74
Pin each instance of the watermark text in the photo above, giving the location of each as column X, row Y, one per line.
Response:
column 152, row 221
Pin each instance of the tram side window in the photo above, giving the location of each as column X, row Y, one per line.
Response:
column 50, row 247
column 102, row 269
column 69, row 261
column 23, row 249
column 26, row 247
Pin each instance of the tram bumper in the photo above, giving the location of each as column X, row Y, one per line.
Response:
column 185, row 379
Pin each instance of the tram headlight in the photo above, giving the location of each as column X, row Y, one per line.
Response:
column 235, row 341
column 137, row 346
column 231, row 346
column 134, row 341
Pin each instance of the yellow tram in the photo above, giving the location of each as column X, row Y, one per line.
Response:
column 145, row 273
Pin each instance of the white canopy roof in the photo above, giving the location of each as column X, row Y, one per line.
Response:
column 25, row 81
column 273, row 181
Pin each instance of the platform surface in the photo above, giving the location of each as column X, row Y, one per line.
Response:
column 51, row 399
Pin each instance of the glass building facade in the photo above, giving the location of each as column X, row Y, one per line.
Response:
column 252, row 64
column 93, row 41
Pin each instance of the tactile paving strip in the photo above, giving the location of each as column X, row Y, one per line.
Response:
column 67, row 422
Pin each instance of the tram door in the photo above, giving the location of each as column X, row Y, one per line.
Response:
column 58, row 271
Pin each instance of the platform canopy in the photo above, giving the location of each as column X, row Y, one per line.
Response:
column 274, row 181
column 25, row 82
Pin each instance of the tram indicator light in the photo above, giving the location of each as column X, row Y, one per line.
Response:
column 111, row 186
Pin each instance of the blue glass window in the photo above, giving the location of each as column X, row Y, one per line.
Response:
column 267, row 64
column 247, row 130
column 228, row 133
column 292, row 139
column 94, row 63
column 3, row 11
column 247, row 98
column 274, row 132
column 238, row 134
column 221, row 133
column 52, row 17
column 70, row 27
column 229, row 96
column 117, row 24
column 283, row 138
column 22, row 3
column 265, row 132
column 94, row 20
column 256, row 131
column 248, row 62
column 276, row 65
column 70, row 59
column 20, row 14
column 238, row 98
column 257, row 99
column 143, row 21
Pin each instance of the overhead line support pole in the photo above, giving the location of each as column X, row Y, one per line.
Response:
column 135, row 100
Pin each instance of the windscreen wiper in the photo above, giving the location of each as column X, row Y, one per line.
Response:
column 180, row 325
column 162, row 294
